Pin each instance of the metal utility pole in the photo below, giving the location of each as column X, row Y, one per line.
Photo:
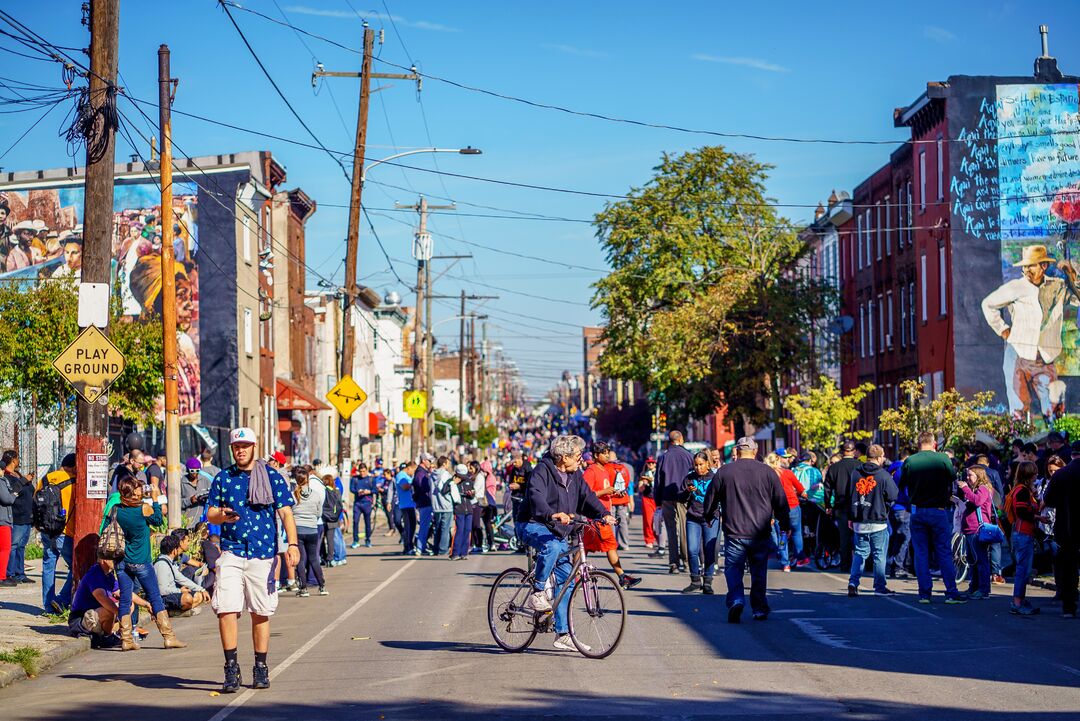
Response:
column 168, row 291
column 348, row 333
column 92, row 425
column 461, row 371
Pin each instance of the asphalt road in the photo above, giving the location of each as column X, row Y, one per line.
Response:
column 403, row 638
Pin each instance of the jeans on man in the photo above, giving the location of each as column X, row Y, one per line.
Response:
column 361, row 510
column 1023, row 549
column 425, row 528
column 867, row 545
column 549, row 558
column 701, row 547
column 995, row 559
column 931, row 528
column 980, row 569
column 443, row 521
column 126, row 574
column 339, row 545
column 738, row 553
column 20, row 534
column 900, row 541
column 53, row 549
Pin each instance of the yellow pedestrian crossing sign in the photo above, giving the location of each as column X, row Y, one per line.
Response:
column 90, row 364
column 415, row 404
column 346, row 396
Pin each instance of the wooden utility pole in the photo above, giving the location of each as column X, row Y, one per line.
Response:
column 168, row 291
column 418, row 344
column 92, row 425
column 461, row 371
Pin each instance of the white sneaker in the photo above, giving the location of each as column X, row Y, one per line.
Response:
column 565, row 643
column 538, row 601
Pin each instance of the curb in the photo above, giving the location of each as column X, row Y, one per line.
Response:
column 12, row 672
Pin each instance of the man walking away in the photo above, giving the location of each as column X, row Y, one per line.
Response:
column 54, row 518
column 1063, row 495
column 248, row 499
column 872, row 493
column 928, row 475
column 751, row 495
column 362, row 486
column 422, row 485
column 838, row 497
column 442, row 505
column 673, row 466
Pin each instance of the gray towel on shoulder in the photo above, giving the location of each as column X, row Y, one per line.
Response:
column 260, row 493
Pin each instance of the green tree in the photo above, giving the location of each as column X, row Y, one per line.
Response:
column 705, row 303
column 39, row 320
column 824, row 415
column 950, row 416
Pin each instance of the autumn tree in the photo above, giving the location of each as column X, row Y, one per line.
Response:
column 706, row 303
column 950, row 416
column 824, row 416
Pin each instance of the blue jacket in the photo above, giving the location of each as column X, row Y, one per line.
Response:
column 672, row 467
column 362, row 483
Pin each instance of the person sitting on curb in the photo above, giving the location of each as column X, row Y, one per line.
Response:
column 94, row 606
column 178, row 591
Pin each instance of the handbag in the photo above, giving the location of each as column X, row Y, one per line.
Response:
column 988, row 532
column 112, row 544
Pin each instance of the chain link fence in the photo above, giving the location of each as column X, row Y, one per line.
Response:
column 40, row 447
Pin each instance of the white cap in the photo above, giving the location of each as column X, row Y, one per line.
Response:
column 241, row 435
column 327, row 471
column 461, row 469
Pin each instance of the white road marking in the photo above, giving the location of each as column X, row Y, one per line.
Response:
column 312, row 642
column 890, row 599
column 819, row 634
column 793, row 610
column 420, row 674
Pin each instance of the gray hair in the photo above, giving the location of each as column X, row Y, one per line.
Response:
column 566, row 447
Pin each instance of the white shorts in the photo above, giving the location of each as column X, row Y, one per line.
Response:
column 245, row 584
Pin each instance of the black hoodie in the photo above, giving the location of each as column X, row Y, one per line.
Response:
column 874, row 506
column 547, row 494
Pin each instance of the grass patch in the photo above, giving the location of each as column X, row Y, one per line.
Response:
column 24, row 656
column 57, row 617
column 34, row 551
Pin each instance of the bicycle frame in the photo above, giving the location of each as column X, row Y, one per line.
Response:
column 578, row 573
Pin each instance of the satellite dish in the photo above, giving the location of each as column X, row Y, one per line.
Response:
column 841, row 324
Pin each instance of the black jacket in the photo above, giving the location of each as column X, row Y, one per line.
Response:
column 837, row 479
column 696, row 503
column 874, row 506
column 671, row 469
column 750, row 494
column 547, row 495
column 1063, row 494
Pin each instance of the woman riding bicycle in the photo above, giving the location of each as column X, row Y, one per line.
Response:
column 556, row 493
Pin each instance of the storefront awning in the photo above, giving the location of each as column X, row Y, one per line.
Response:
column 376, row 424
column 291, row 396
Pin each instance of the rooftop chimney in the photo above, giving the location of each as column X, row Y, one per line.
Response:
column 1046, row 69
column 819, row 211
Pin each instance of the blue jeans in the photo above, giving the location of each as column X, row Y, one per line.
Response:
column 932, row 527
column 738, row 552
column 361, row 510
column 442, row 521
column 20, row 534
column 794, row 537
column 425, row 528
column 548, row 549
column 54, row 548
column 1023, row 549
column 701, row 538
column 980, row 571
column 462, row 534
column 125, row 575
column 866, row 545
column 339, row 544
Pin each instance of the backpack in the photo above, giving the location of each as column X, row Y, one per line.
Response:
column 112, row 543
column 48, row 514
column 1010, row 505
column 331, row 508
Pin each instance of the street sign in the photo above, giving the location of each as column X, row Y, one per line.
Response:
column 90, row 364
column 346, row 396
column 97, row 475
column 657, row 436
column 415, row 404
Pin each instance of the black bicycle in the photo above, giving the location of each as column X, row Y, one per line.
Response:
column 597, row 614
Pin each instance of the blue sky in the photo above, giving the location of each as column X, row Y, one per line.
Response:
column 808, row 70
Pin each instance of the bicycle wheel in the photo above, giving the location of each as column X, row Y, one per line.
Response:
column 960, row 558
column 512, row 625
column 597, row 615
column 822, row 557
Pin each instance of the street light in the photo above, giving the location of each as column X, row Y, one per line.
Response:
column 468, row 150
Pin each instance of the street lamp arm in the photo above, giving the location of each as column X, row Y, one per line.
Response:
column 395, row 156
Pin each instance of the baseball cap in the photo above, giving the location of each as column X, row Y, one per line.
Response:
column 279, row 457
column 746, row 443
column 1055, row 436
column 461, row 469
column 785, row 452
column 427, row 457
column 241, row 435
column 650, row 459
column 804, row 457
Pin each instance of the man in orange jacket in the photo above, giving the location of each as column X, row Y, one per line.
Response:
column 601, row 476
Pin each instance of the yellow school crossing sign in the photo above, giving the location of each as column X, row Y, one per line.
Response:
column 346, row 396
column 415, row 404
column 90, row 364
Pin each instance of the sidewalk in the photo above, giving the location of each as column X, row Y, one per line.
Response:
column 23, row 626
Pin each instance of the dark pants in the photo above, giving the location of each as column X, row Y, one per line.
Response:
column 20, row 534
column 408, row 529
column 980, row 572
column 846, row 537
column 309, row 559
column 358, row 510
column 127, row 574
column 462, row 534
column 738, row 552
column 931, row 530
column 488, row 517
column 676, row 552
column 701, row 544
column 1065, row 572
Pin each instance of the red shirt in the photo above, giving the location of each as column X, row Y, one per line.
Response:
column 791, row 485
column 599, row 477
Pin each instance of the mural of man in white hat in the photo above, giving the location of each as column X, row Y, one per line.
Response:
column 1033, row 334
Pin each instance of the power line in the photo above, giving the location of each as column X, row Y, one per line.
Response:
column 27, row 131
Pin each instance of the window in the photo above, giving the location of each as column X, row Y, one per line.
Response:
column 378, row 387
column 245, row 235
column 869, row 233
column 870, row 327
column 900, row 205
column 911, row 311
column 922, row 181
column 922, row 285
column 938, row 383
column 881, row 324
column 940, row 168
column 859, row 236
column 877, row 223
column 910, row 220
column 862, row 331
column 247, row 331
column 943, row 307
column 889, row 327
column 888, row 226
column 903, row 318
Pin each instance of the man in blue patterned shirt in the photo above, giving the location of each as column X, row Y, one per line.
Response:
column 248, row 499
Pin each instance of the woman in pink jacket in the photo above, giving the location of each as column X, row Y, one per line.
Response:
column 979, row 508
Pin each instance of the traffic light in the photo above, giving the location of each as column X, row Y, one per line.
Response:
column 663, row 422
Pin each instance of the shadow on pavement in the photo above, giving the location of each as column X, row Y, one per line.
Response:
column 443, row 646
column 157, row 681
column 20, row 608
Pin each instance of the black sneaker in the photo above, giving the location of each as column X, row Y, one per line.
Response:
column 673, row 569
column 734, row 614
column 233, row 678
column 852, row 591
column 627, row 581
column 260, row 676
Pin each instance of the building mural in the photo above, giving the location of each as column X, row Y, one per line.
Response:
column 41, row 238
